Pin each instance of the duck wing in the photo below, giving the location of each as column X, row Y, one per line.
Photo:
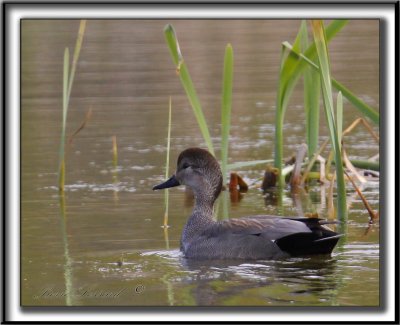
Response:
column 296, row 236
column 270, row 227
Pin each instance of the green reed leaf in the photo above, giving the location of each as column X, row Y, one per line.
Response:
column 166, row 193
column 311, row 98
column 326, row 86
column 226, row 108
column 242, row 164
column 363, row 107
column 339, row 118
column 291, row 69
column 61, row 168
column 186, row 80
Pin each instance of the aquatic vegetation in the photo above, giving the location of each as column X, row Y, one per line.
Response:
column 295, row 62
column 306, row 59
column 68, row 80
column 226, row 108
column 312, row 61
column 166, row 193
column 115, row 151
column 311, row 97
column 335, row 126
column 292, row 68
column 115, row 167
column 226, row 101
column 187, row 83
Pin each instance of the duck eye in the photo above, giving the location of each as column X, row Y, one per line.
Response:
column 185, row 165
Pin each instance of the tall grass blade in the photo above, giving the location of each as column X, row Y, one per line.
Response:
column 187, row 83
column 311, row 98
column 61, row 170
column 324, row 64
column 166, row 193
column 331, row 30
column 226, row 108
column 68, row 79
column 285, row 89
column 339, row 118
column 290, row 71
column 225, row 205
column 77, row 51
column 65, row 86
column 363, row 107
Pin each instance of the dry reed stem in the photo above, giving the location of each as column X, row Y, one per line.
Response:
column 350, row 166
column 374, row 157
column 83, row 124
column 372, row 214
column 312, row 161
column 321, row 160
column 358, row 121
column 295, row 180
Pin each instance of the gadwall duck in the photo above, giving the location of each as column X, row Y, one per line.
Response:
column 253, row 237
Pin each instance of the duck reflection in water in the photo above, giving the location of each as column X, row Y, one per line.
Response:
column 307, row 280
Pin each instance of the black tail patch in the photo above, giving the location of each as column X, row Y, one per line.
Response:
column 307, row 243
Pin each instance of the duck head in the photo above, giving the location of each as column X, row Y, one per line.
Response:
column 199, row 170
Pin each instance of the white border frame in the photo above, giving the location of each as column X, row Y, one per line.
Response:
column 14, row 12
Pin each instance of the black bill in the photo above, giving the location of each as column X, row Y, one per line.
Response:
column 172, row 182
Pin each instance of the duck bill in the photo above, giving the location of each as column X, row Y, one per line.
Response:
column 172, row 182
